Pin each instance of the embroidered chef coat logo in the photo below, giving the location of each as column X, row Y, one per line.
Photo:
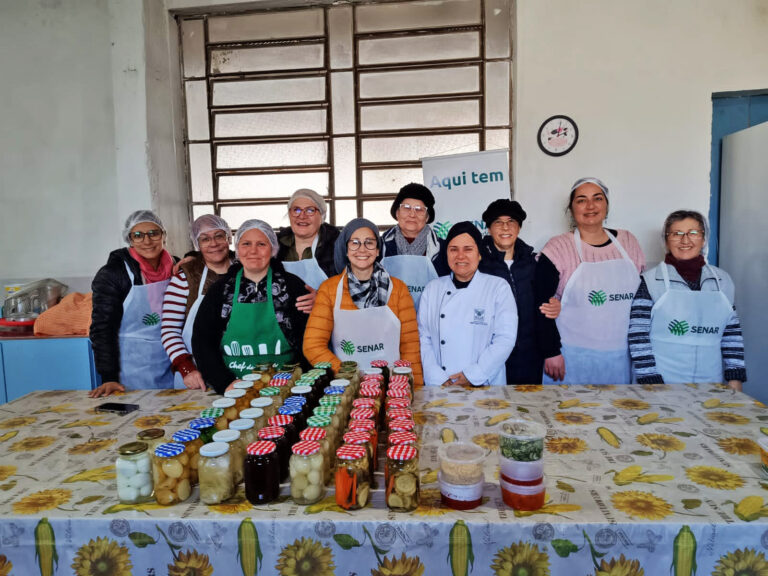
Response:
column 678, row 327
column 348, row 347
column 479, row 316
column 597, row 297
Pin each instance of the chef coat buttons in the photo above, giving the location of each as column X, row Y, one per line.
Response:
column 442, row 341
column 442, row 315
column 449, row 292
column 443, row 367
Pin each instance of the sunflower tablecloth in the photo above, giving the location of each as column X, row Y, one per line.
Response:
column 640, row 480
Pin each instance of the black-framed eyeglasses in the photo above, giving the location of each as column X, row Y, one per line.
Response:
column 217, row 238
column 309, row 211
column 678, row 235
column 154, row 234
column 369, row 243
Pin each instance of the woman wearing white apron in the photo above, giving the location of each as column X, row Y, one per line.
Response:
column 306, row 247
column 211, row 236
column 362, row 314
column 684, row 327
column 127, row 309
column 467, row 321
column 411, row 249
column 592, row 270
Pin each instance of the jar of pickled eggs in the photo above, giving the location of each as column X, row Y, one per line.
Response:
column 134, row 473
column 306, row 471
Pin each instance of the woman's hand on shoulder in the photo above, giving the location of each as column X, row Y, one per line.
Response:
column 551, row 309
column 185, row 260
column 305, row 303
column 106, row 389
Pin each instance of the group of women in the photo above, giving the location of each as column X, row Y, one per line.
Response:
column 465, row 310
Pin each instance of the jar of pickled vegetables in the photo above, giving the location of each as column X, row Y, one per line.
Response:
column 402, row 491
column 231, row 411
column 274, row 393
column 267, row 370
column 348, row 366
column 330, row 401
column 248, row 432
column 217, row 415
column 369, row 427
column 283, row 387
column 267, row 405
column 395, row 413
column 378, row 367
column 363, row 403
column 257, row 415
column 363, row 438
column 320, row 436
column 325, row 423
column 401, row 439
column 338, row 391
column 277, row 435
column 255, row 380
column 346, row 385
column 262, row 472
column 353, row 377
column 395, row 391
column 134, row 473
column 373, row 392
column 236, row 452
column 306, row 470
column 293, row 368
column 353, row 479
column 250, row 389
column 242, row 401
column 206, row 426
column 152, row 436
column 170, row 474
column 333, row 412
column 401, row 425
column 216, row 482
column 192, row 444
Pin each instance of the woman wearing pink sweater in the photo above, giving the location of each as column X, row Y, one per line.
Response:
column 595, row 272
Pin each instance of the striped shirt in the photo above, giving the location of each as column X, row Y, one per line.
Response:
column 174, row 316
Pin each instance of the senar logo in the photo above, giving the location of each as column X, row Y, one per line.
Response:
column 348, row 347
column 597, row 298
column 152, row 319
column 678, row 327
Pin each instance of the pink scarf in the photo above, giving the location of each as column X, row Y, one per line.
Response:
column 164, row 269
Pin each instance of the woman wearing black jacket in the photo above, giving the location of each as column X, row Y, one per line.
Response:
column 127, row 308
column 505, row 255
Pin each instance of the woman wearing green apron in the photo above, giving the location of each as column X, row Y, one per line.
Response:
column 249, row 316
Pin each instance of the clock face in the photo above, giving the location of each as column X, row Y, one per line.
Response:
column 558, row 135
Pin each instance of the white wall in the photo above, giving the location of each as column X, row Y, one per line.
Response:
column 637, row 77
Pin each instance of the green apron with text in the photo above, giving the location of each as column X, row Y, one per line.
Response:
column 253, row 336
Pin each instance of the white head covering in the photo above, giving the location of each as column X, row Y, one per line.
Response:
column 137, row 218
column 590, row 180
column 206, row 223
column 258, row 225
column 309, row 195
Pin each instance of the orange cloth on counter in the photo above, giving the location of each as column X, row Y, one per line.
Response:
column 71, row 316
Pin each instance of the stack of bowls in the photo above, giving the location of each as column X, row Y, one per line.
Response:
column 521, row 447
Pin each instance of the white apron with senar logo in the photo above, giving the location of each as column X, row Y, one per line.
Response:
column 686, row 332
column 365, row 335
column 415, row 271
column 594, row 319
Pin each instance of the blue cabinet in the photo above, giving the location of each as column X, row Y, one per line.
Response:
column 45, row 364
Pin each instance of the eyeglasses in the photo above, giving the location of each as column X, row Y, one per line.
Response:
column 217, row 238
column 309, row 211
column 414, row 209
column 369, row 243
column 504, row 223
column 691, row 234
column 153, row 235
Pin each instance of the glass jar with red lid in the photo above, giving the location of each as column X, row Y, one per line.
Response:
column 401, row 439
column 320, row 436
column 402, row 490
column 306, row 471
column 353, row 479
column 277, row 435
column 369, row 427
column 363, row 438
column 262, row 472
column 285, row 421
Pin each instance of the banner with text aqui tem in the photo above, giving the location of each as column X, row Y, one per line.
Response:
column 464, row 185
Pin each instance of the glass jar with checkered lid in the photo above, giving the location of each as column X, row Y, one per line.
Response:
column 170, row 474
column 306, row 471
column 277, row 435
column 241, row 398
column 192, row 444
column 267, row 404
column 353, row 477
column 402, row 490
column 206, row 426
column 262, row 472
column 363, row 438
column 320, row 436
column 236, row 452
column 216, row 481
column 230, row 411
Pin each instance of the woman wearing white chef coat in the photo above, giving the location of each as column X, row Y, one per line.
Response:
column 468, row 320
column 411, row 250
column 211, row 236
column 683, row 326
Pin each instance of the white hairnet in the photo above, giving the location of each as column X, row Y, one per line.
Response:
column 257, row 225
column 589, row 180
column 206, row 223
column 309, row 195
column 137, row 218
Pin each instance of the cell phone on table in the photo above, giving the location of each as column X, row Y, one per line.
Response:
column 117, row 407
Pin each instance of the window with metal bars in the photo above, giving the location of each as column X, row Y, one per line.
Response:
column 345, row 100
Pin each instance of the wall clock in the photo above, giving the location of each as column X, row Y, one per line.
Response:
column 558, row 135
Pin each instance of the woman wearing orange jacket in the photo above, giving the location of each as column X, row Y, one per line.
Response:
column 362, row 314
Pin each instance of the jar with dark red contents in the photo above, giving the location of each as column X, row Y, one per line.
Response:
column 352, row 477
column 277, row 435
column 402, row 439
column 295, row 411
column 320, row 436
column 285, row 421
column 301, row 403
column 262, row 472
column 363, row 438
column 306, row 392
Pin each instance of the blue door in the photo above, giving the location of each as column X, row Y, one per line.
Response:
column 731, row 112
